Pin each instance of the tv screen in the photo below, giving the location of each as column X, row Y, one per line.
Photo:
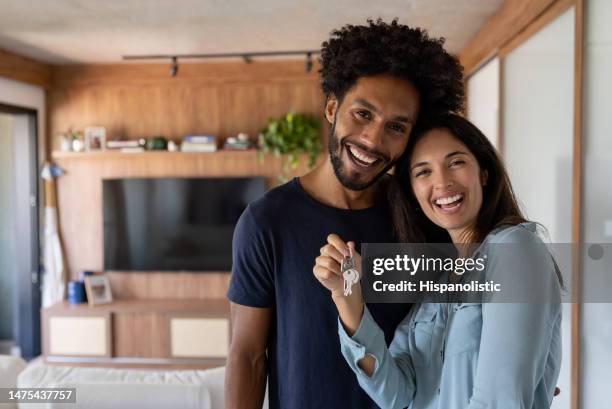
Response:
column 173, row 224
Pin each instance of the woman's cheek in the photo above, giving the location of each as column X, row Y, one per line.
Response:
column 420, row 192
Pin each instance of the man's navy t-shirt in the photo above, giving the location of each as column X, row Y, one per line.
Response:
column 275, row 245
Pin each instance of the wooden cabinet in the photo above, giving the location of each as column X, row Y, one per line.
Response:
column 138, row 333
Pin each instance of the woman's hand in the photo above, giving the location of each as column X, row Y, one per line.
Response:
column 327, row 271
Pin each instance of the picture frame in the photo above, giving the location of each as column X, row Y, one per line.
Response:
column 95, row 138
column 98, row 290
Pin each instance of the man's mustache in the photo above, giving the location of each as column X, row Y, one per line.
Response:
column 372, row 152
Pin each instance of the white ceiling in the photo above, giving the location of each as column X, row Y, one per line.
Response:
column 92, row 31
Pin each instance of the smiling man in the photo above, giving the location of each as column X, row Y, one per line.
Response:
column 378, row 79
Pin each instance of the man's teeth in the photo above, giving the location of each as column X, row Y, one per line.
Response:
column 449, row 200
column 362, row 157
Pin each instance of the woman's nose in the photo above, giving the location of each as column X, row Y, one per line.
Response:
column 442, row 180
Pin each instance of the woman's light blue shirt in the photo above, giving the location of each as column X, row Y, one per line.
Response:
column 471, row 355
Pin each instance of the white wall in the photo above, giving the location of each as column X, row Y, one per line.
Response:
column 27, row 96
column 596, row 331
column 483, row 100
column 537, row 106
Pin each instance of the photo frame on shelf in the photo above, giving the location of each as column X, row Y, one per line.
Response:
column 98, row 290
column 95, row 138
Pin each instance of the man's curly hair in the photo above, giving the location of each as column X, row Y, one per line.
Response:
column 382, row 48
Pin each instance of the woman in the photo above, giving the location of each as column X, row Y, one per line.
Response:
column 457, row 355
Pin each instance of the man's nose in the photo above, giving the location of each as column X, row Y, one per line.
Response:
column 373, row 135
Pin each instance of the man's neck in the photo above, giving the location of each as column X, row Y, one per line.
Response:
column 322, row 184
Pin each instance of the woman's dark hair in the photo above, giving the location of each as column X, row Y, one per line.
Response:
column 499, row 205
column 378, row 48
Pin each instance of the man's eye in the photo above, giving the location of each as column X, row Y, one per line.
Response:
column 363, row 114
column 397, row 128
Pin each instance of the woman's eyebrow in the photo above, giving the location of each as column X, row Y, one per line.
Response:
column 455, row 153
column 416, row 165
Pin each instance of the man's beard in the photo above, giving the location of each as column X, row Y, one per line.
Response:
column 333, row 147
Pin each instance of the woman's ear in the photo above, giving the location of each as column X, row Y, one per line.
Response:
column 330, row 108
column 484, row 176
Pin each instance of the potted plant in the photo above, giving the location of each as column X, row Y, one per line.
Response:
column 292, row 134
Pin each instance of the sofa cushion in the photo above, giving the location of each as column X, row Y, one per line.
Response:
column 129, row 388
column 10, row 367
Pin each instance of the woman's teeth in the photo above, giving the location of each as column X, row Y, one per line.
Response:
column 449, row 200
column 361, row 156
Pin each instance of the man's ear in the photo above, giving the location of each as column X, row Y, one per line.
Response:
column 330, row 108
column 484, row 176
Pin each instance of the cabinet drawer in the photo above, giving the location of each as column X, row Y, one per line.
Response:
column 79, row 336
column 196, row 337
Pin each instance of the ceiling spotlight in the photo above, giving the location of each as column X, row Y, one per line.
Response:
column 308, row 66
column 174, row 67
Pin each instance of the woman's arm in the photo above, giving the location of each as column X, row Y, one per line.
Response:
column 350, row 313
column 516, row 336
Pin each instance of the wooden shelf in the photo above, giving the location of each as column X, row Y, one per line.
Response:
column 113, row 154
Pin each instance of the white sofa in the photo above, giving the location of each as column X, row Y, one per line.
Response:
column 102, row 388
column 10, row 368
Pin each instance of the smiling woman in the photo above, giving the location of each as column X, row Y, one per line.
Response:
column 447, row 182
column 450, row 178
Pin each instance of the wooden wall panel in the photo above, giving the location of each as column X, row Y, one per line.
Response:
column 222, row 99
column 23, row 69
column 142, row 100
column 511, row 18
column 81, row 224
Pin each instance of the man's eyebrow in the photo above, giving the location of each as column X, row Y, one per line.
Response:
column 416, row 165
column 367, row 104
column 373, row 108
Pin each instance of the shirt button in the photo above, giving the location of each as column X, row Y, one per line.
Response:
column 438, row 391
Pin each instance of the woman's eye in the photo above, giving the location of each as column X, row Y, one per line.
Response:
column 457, row 162
column 422, row 173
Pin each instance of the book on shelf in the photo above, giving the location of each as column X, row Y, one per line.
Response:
column 122, row 144
column 200, row 139
column 137, row 149
column 238, row 146
column 198, row 147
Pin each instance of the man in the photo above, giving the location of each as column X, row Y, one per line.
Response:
column 377, row 78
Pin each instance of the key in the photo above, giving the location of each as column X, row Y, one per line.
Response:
column 349, row 273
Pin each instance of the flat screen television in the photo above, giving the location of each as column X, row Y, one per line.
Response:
column 173, row 224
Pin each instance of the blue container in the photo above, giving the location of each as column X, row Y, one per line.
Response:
column 76, row 292
column 83, row 274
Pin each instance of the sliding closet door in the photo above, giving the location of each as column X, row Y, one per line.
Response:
column 483, row 100
column 596, row 331
column 537, row 134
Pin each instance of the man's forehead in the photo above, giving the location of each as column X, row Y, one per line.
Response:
column 384, row 93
